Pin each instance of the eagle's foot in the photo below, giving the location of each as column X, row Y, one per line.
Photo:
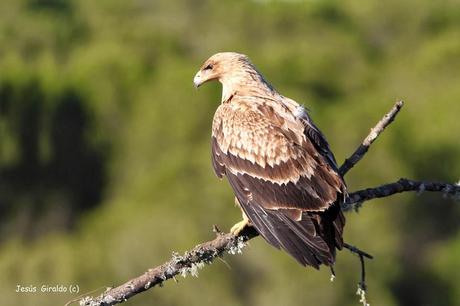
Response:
column 238, row 227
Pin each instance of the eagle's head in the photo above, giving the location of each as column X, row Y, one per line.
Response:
column 222, row 66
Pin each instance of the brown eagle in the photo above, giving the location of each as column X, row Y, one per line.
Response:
column 279, row 164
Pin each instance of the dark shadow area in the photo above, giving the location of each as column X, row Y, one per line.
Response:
column 426, row 220
column 64, row 6
column 43, row 192
column 76, row 166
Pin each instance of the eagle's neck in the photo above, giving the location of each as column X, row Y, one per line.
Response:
column 246, row 83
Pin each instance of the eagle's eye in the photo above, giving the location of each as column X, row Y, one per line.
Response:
column 208, row 67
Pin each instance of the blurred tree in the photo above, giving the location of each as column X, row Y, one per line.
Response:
column 104, row 145
column 69, row 179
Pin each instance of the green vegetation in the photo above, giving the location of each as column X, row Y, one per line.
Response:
column 104, row 143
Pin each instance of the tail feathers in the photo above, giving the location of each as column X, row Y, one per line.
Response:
column 330, row 224
column 339, row 223
column 299, row 238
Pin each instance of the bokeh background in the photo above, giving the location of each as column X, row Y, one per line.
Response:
column 105, row 157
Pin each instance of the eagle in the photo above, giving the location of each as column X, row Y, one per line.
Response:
column 278, row 163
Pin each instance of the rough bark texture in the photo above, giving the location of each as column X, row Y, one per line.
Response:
column 355, row 199
column 189, row 263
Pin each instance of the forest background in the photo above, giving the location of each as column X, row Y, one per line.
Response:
column 105, row 144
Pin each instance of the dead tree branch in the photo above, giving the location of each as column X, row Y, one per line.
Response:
column 375, row 132
column 189, row 263
column 355, row 199
column 205, row 253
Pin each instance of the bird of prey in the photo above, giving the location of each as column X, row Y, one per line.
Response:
column 284, row 176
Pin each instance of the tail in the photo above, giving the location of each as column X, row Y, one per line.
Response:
column 312, row 241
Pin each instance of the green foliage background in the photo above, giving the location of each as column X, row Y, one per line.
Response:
column 104, row 144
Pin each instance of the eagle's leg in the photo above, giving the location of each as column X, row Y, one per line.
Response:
column 238, row 227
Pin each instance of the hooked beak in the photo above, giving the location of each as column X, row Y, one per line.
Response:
column 197, row 79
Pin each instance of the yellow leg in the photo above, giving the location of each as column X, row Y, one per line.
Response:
column 238, row 227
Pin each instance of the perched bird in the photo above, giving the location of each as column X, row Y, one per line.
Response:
column 284, row 176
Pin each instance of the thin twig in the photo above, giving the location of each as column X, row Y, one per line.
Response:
column 357, row 251
column 374, row 133
column 362, row 287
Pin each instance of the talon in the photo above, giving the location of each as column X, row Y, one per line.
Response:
column 238, row 227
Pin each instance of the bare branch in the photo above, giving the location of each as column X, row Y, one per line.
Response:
column 355, row 199
column 189, row 263
column 205, row 253
column 374, row 133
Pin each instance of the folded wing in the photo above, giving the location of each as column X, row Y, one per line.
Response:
column 280, row 170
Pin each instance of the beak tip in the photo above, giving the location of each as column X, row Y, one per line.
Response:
column 197, row 80
column 196, row 83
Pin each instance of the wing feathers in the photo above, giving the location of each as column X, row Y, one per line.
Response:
column 284, row 177
column 296, row 238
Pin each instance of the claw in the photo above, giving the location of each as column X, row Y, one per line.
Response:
column 238, row 227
